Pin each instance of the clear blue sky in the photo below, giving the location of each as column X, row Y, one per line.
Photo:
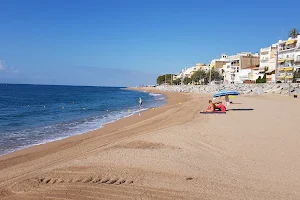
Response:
column 127, row 42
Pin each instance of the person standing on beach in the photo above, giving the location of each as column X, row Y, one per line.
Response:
column 227, row 101
column 140, row 102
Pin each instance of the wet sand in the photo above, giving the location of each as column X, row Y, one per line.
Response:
column 171, row 152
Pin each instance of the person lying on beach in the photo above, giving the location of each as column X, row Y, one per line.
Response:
column 211, row 107
column 219, row 106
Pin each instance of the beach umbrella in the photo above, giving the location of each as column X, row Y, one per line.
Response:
column 230, row 93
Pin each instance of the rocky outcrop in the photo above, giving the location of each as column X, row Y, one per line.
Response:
column 248, row 89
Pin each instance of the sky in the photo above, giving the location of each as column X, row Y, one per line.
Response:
column 130, row 42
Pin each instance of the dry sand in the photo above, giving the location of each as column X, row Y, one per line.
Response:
column 171, row 152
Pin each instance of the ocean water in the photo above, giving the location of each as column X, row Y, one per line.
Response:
column 36, row 114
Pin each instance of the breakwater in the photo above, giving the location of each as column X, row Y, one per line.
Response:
column 247, row 89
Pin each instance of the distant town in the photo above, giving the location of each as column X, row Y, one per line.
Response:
column 278, row 63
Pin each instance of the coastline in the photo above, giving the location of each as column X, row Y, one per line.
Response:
column 125, row 114
column 57, row 145
column 171, row 152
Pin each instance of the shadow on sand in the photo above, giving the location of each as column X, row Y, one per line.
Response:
column 240, row 109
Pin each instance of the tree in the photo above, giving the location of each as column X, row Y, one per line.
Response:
column 160, row 79
column 215, row 75
column 177, row 81
column 187, row 80
column 296, row 75
column 198, row 75
column 258, row 80
column 262, row 80
column 294, row 33
column 166, row 78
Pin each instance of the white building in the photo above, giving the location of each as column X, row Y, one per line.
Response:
column 216, row 63
column 202, row 67
column 268, row 57
column 226, row 72
column 236, row 68
column 188, row 71
column 185, row 72
column 288, row 59
column 268, row 61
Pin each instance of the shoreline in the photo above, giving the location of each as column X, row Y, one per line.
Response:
column 86, row 131
column 111, row 126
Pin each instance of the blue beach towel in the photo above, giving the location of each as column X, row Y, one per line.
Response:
column 216, row 112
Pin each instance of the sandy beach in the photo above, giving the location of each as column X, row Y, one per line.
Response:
column 171, row 152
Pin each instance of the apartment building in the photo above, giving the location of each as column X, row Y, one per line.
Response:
column 185, row 72
column 288, row 59
column 218, row 63
column 268, row 62
column 236, row 68
column 189, row 71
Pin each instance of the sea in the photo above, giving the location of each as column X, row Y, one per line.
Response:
column 36, row 114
